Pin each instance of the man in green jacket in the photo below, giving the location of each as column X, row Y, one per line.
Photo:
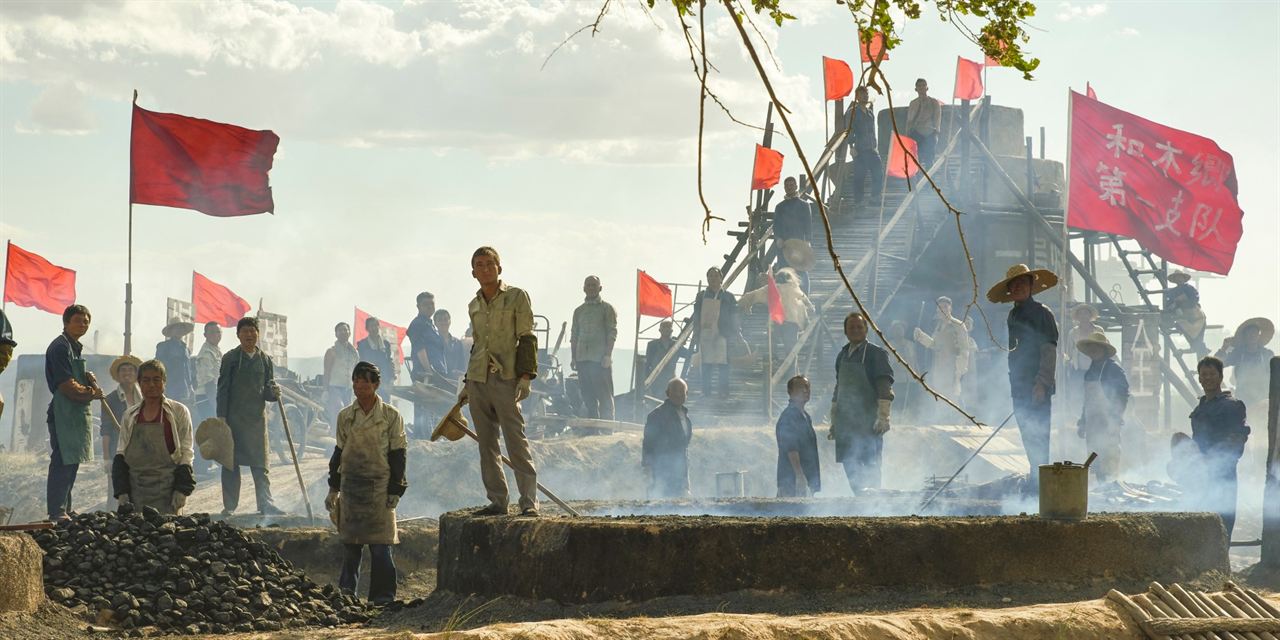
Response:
column 246, row 383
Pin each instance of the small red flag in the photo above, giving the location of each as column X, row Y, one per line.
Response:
column 360, row 333
column 968, row 79
column 214, row 168
column 767, row 168
column 901, row 165
column 1088, row 90
column 776, row 313
column 873, row 50
column 32, row 281
column 838, row 78
column 216, row 303
column 652, row 297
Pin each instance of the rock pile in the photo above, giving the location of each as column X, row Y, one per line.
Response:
column 183, row 574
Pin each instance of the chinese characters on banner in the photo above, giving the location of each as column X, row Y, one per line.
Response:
column 1172, row 191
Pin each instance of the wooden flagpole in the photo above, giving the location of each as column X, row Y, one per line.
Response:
column 128, row 284
column 636, row 394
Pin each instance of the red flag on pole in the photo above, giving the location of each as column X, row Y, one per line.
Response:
column 901, row 165
column 767, row 168
column 1172, row 191
column 968, row 79
column 873, row 50
column 776, row 313
column 393, row 333
column 838, row 78
column 32, row 281
column 214, row 168
column 1088, row 90
column 216, row 303
column 652, row 297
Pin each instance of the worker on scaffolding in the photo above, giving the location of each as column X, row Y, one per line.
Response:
column 1106, row 394
column 1182, row 311
column 595, row 329
column 715, row 321
column 950, row 346
column 860, row 406
column 1033, row 355
column 1247, row 354
column 792, row 232
column 861, row 141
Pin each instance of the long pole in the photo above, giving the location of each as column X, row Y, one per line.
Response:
column 636, row 393
column 128, row 284
column 768, row 374
column 284, row 420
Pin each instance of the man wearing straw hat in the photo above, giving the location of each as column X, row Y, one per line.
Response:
column 1033, row 354
column 1106, row 394
column 1247, row 354
column 175, row 355
column 124, row 370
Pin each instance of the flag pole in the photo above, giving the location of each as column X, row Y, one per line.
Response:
column 636, row 393
column 128, row 283
column 1065, row 267
column 4, row 298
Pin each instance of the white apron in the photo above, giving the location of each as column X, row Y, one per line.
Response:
column 711, row 344
column 363, row 516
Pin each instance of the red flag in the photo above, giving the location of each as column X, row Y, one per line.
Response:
column 992, row 62
column 838, row 78
column 214, row 168
column 1172, row 191
column 873, row 50
column 388, row 330
column 767, row 168
column 901, row 165
column 32, row 281
column 968, row 79
column 652, row 297
column 216, row 303
column 1088, row 90
column 775, row 303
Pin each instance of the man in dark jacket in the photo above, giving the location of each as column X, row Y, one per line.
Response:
column 860, row 405
column 656, row 350
column 378, row 352
column 862, row 141
column 715, row 321
column 1219, row 430
column 799, row 473
column 175, row 355
column 665, row 451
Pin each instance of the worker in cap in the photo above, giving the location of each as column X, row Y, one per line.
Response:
column 366, row 481
column 1106, row 394
column 1033, row 353
column 1247, row 354
column 153, row 465
column 950, row 345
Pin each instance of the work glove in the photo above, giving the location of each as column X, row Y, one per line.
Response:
column 123, row 498
column 523, row 388
column 882, row 416
column 179, row 501
column 392, row 501
column 331, row 500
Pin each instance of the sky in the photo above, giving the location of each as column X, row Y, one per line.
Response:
column 413, row 132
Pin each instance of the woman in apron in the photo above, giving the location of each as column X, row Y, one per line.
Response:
column 153, row 465
column 1106, row 394
column 366, row 480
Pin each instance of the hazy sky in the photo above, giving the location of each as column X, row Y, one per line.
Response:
column 414, row 131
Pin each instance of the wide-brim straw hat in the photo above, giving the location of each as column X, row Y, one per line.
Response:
column 1266, row 327
column 798, row 253
column 177, row 328
column 452, row 426
column 1179, row 277
column 1041, row 279
column 1097, row 338
column 121, row 361
column 213, row 439
column 1084, row 309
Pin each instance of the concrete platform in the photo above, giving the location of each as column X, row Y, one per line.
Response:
column 593, row 559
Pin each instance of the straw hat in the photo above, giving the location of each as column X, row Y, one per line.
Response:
column 1265, row 327
column 1099, row 339
column 1041, row 279
column 213, row 438
column 798, row 253
column 121, row 361
column 453, row 425
column 1084, row 310
column 1179, row 277
column 177, row 328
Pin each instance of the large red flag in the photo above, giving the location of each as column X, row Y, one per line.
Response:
column 776, row 313
column 1172, row 191
column 873, row 50
column 216, row 303
column 767, row 168
column 388, row 330
column 838, row 78
column 32, row 281
column 217, row 169
column 901, row 165
column 652, row 297
column 968, row 79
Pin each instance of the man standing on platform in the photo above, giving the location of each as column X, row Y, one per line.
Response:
column 862, row 139
column 207, row 362
column 654, row 352
column 455, row 352
column 1033, row 358
column 377, row 351
column 715, row 320
column 246, row 383
column 339, row 361
column 860, row 406
column 70, row 425
column 595, row 328
column 924, row 120
column 504, row 362
column 175, row 355
column 428, row 357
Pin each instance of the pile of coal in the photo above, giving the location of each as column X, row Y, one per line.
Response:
column 183, row 574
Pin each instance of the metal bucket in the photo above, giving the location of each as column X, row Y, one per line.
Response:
column 732, row 484
column 1064, row 491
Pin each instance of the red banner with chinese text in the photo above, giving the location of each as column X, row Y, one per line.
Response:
column 1172, row 191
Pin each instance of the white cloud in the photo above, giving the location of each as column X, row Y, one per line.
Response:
column 1130, row 32
column 1068, row 11
column 61, row 109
